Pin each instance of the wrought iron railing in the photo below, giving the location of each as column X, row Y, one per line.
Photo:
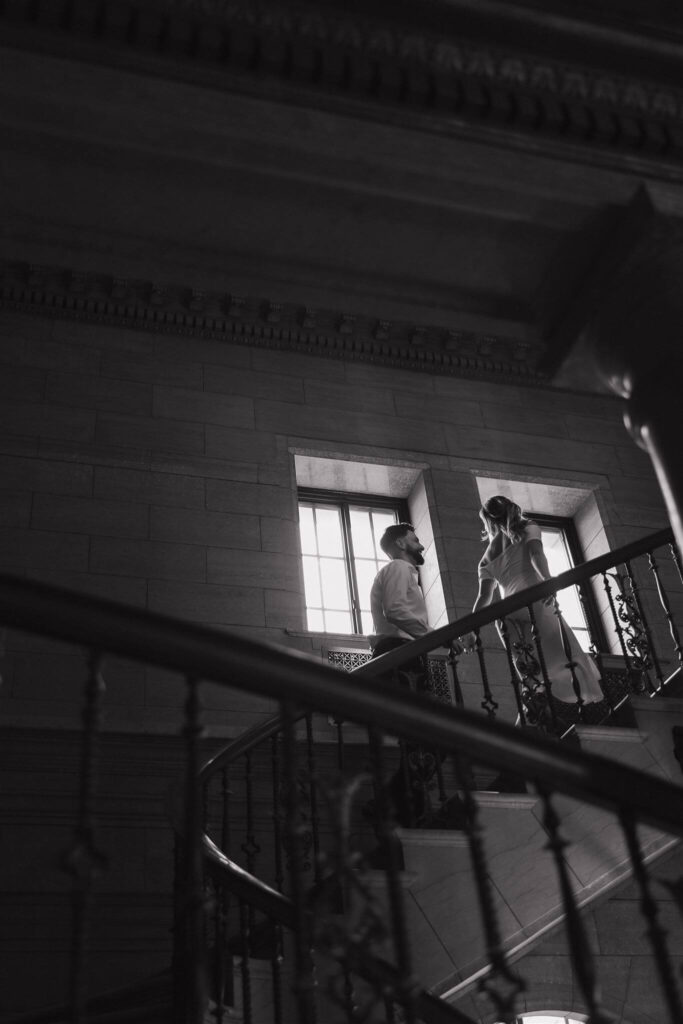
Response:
column 289, row 855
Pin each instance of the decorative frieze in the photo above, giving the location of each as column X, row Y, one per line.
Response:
column 49, row 291
column 379, row 61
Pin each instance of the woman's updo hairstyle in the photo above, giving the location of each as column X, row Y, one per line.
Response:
column 501, row 515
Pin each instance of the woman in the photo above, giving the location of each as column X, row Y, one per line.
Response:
column 513, row 561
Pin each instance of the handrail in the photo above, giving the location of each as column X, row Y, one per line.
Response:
column 444, row 636
column 203, row 653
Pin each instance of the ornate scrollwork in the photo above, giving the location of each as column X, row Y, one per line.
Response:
column 633, row 633
column 349, row 921
column 304, row 834
column 532, row 690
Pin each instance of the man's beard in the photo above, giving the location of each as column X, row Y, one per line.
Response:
column 418, row 558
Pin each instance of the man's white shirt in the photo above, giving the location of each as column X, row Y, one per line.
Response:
column 397, row 602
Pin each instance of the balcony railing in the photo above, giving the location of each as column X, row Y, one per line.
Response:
column 291, row 843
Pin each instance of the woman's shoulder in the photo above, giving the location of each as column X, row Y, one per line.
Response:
column 532, row 531
column 493, row 550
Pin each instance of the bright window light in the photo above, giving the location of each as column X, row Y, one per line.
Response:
column 341, row 557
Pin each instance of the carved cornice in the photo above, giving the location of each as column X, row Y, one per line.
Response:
column 243, row 320
column 325, row 52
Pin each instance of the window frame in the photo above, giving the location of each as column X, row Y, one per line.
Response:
column 596, row 631
column 344, row 501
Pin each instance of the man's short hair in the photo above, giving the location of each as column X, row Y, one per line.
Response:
column 392, row 534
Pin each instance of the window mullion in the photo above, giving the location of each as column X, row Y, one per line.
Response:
column 351, row 568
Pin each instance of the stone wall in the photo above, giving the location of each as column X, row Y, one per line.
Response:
column 159, row 470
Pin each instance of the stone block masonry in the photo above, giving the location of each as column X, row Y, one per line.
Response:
column 158, row 469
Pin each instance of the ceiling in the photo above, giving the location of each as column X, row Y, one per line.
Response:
column 439, row 225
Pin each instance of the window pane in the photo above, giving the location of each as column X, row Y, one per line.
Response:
column 329, row 575
column 380, row 521
column 365, row 576
column 584, row 639
column 361, row 534
column 315, row 619
column 312, row 581
column 570, row 606
column 559, row 560
column 328, row 522
column 367, row 626
column 307, row 530
column 338, row 622
column 555, row 550
column 335, row 586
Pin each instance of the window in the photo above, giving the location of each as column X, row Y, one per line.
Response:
column 340, row 536
column 561, row 547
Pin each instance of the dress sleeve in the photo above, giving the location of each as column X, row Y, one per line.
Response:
column 532, row 532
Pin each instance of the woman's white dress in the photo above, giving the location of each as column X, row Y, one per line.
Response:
column 513, row 571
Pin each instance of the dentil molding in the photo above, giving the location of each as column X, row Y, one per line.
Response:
column 244, row 320
column 374, row 60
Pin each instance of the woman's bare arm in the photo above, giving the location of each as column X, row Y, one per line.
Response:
column 487, row 590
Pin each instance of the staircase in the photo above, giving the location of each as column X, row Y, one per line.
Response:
column 294, row 904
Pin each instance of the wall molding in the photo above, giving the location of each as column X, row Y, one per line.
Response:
column 241, row 320
column 458, row 81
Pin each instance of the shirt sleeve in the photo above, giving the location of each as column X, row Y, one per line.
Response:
column 398, row 607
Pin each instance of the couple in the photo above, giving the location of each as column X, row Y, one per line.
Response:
column 513, row 561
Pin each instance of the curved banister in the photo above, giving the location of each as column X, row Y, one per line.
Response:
column 213, row 655
column 303, row 682
column 246, row 741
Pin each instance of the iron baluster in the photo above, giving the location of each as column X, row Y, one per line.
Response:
column 648, row 906
column 193, row 985
column 638, row 658
column 277, row 958
column 226, row 793
column 676, row 560
column 407, row 779
column 617, row 625
column 570, row 663
column 245, row 964
column 390, row 851
column 514, row 677
column 549, row 711
column 501, row 984
column 443, row 795
column 645, row 629
column 225, row 906
column 83, row 861
column 304, row 985
column 313, row 795
column 489, row 704
column 275, row 816
column 578, row 940
column 220, row 935
column 663, row 597
column 453, row 650
column 339, row 725
column 593, row 646
column 250, row 846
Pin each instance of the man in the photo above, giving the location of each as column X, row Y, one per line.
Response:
column 399, row 615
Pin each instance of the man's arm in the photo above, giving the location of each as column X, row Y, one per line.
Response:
column 395, row 600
